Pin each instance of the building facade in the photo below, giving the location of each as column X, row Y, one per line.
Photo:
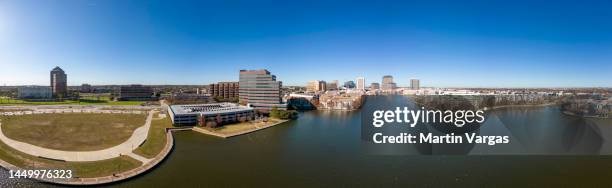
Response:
column 374, row 86
column 414, row 84
column 34, row 92
column 387, row 83
column 59, row 83
column 360, row 83
column 349, row 84
column 260, row 90
column 135, row 93
column 316, row 85
column 212, row 115
column 226, row 90
column 333, row 85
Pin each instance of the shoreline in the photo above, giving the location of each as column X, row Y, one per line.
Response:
column 521, row 105
column 207, row 132
column 576, row 115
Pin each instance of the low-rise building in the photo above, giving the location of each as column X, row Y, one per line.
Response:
column 135, row 93
column 34, row 92
column 86, row 88
column 224, row 90
column 212, row 115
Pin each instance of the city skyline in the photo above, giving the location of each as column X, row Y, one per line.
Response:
column 497, row 44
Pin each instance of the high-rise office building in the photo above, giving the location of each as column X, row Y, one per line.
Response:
column 414, row 84
column 260, row 90
column 387, row 83
column 225, row 90
column 59, row 82
column 360, row 83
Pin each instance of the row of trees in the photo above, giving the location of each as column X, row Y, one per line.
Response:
column 283, row 114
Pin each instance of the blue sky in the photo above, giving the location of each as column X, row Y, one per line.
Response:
column 443, row 43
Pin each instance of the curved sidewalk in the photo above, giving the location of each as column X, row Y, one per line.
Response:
column 125, row 148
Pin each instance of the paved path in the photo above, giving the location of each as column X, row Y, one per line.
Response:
column 125, row 148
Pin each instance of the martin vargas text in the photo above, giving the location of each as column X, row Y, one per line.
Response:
column 405, row 138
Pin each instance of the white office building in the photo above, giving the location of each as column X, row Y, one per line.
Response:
column 219, row 113
column 34, row 92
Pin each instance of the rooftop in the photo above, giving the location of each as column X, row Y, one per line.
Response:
column 212, row 108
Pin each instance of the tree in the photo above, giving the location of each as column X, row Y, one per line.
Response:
column 202, row 121
column 218, row 119
column 275, row 113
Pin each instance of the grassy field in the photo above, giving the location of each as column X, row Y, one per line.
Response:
column 80, row 169
column 83, row 101
column 72, row 132
column 239, row 127
column 156, row 139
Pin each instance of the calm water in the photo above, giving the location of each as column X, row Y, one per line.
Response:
column 323, row 149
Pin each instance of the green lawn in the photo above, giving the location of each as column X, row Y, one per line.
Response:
column 83, row 101
column 156, row 139
column 80, row 169
column 72, row 132
column 240, row 127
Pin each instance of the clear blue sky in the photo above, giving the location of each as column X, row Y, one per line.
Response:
column 444, row 43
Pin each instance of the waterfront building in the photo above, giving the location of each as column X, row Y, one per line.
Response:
column 360, row 83
column 414, row 84
column 387, row 83
column 214, row 114
column 135, row 93
column 225, row 90
column 260, row 90
column 374, row 86
column 34, row 92
column 59, row 82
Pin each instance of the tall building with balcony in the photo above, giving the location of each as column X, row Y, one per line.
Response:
column 59, row 83
column 360, row 83
column 260, row 90
column 225, row 90
column 414, row 84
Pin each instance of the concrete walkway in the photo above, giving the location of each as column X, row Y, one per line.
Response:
column 125, row 148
